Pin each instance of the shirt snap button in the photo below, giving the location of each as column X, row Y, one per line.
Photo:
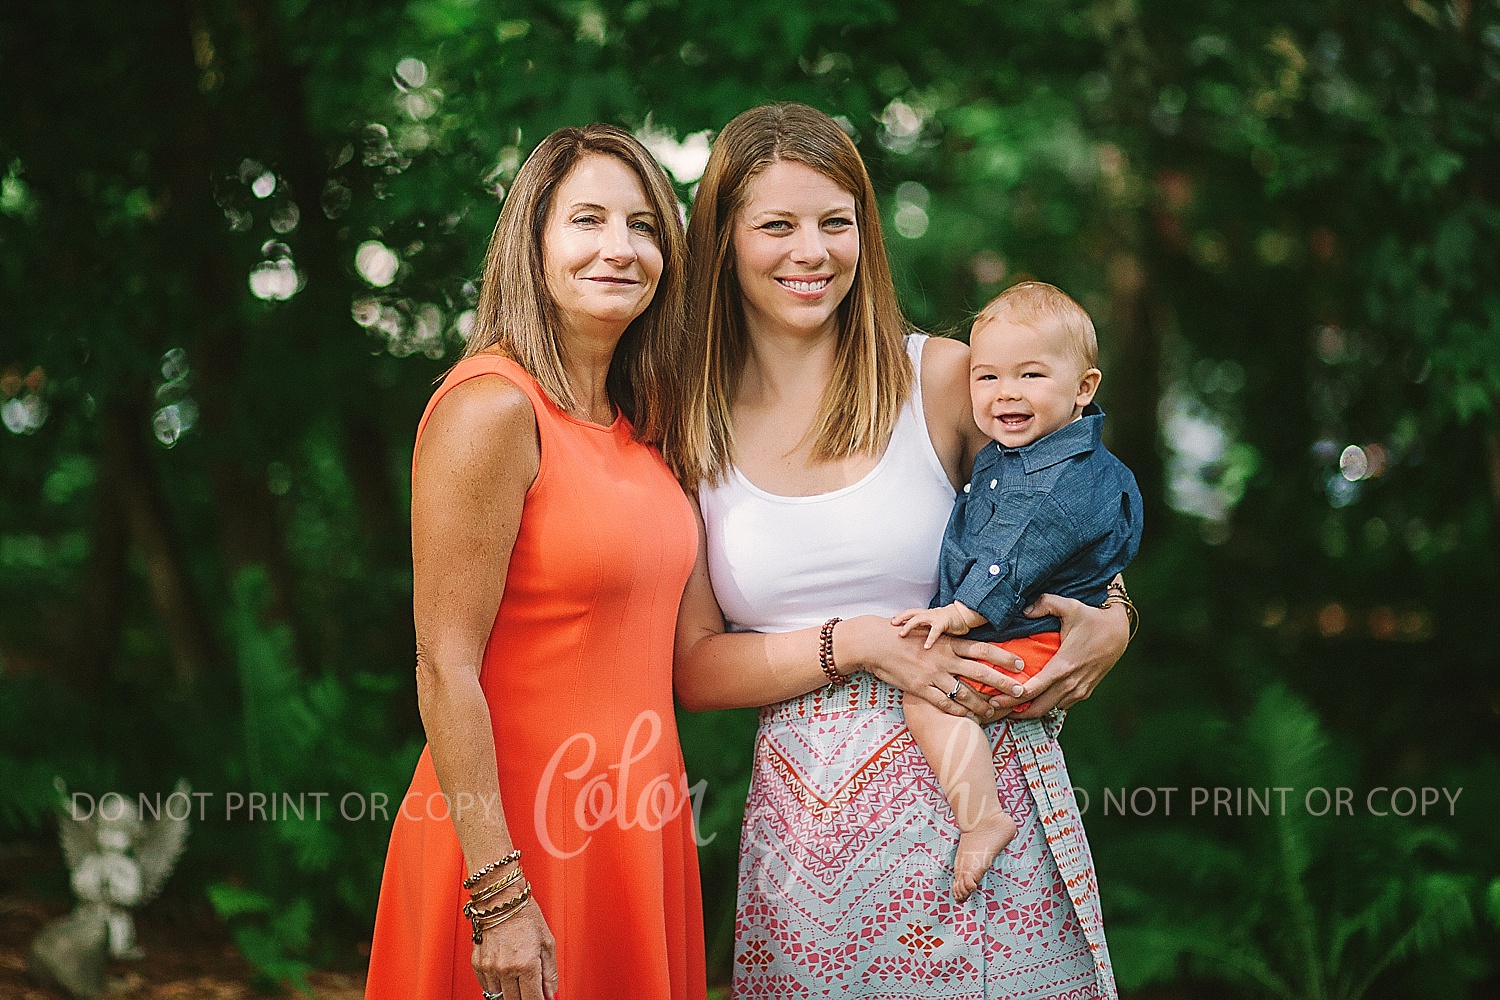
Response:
column 994, row 483
column 966, row 487
column 994, row 571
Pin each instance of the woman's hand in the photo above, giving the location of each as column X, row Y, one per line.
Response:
column 518, row 959
column 1093, row 640
column 874, row 645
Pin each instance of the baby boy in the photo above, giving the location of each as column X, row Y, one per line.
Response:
column 1048, row 510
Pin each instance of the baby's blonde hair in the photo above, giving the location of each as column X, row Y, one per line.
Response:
column 1049, row 309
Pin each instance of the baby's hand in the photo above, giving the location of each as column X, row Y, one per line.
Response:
column 937, row 620
column 902, row 617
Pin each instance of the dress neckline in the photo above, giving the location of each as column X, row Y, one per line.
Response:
column 609, row 428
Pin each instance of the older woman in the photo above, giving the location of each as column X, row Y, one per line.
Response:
column 829, row 441
column 550, row 546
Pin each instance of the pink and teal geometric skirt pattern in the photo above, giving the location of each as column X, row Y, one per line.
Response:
column 846, row 865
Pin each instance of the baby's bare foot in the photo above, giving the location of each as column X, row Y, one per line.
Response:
column 977, row 850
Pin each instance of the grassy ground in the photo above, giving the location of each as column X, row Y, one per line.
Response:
column 190, row 956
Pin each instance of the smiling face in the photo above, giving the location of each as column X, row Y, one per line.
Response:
column 600, row 249
column 1025, row 381
column 796, row 249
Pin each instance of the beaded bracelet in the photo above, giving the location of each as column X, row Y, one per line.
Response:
column 473, row 880
column 825, row 653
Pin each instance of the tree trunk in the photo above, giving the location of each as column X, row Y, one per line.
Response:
column 101, row 614
column 203, row 251
column 1492, row 455
column 149, row 527
column 1134, row 392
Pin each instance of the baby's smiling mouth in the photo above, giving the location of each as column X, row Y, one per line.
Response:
column 1014, row 421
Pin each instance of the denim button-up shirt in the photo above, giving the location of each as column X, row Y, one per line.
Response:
column 1058, row 516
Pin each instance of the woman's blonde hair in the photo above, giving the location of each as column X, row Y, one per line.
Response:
column 517, row 314
column 872, row 374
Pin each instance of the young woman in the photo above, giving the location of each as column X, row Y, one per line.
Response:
column 828, row 441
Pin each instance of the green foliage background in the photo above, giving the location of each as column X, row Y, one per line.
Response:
column 1283, row 217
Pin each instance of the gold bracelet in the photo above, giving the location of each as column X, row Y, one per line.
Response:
column 496, row 887
column 473, row 879
column 1132, row 616
column 475, row 913
column 481, row 928
column 483, row 920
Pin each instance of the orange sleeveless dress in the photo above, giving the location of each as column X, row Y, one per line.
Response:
column 578, row 677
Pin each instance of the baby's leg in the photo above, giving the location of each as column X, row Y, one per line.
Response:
column 959, row 753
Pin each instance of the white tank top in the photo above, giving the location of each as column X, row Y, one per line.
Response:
column 784, row 563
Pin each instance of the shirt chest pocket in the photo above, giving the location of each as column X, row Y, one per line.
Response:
column 978, row 511
column 1002, row 513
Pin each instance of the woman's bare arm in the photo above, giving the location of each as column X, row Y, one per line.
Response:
column 947, row 407
column 478, row 457
column 719, row 669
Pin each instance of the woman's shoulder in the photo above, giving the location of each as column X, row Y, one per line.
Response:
column 488, row 397
column 488, row 386
column 945, row 364
column 945, row 383
column 477, row 446
column 946, row 406
column 486, row 409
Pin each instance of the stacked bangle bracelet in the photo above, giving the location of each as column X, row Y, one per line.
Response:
column 1118, row 595
column 484, row 919
column 491, row 891
column 825, row 653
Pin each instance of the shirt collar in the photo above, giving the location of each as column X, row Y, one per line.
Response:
column 1078, row 437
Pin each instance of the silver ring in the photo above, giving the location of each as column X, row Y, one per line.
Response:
column 491, row 996
column 957, row 683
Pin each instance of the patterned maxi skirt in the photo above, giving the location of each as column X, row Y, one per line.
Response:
column 846, row 865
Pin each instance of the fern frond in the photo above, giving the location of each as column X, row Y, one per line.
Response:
column 1151, row 953
column 1285, row 735
column 1444, row 911
column 1376, row 918
column 279, row 727
column 1241, row 966
column 1286, row 744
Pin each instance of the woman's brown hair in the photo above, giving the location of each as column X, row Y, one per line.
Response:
column 872, row 374
column 517, row 314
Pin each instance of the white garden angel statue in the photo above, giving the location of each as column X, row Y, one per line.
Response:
column 120, row 862
column 116, row 862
